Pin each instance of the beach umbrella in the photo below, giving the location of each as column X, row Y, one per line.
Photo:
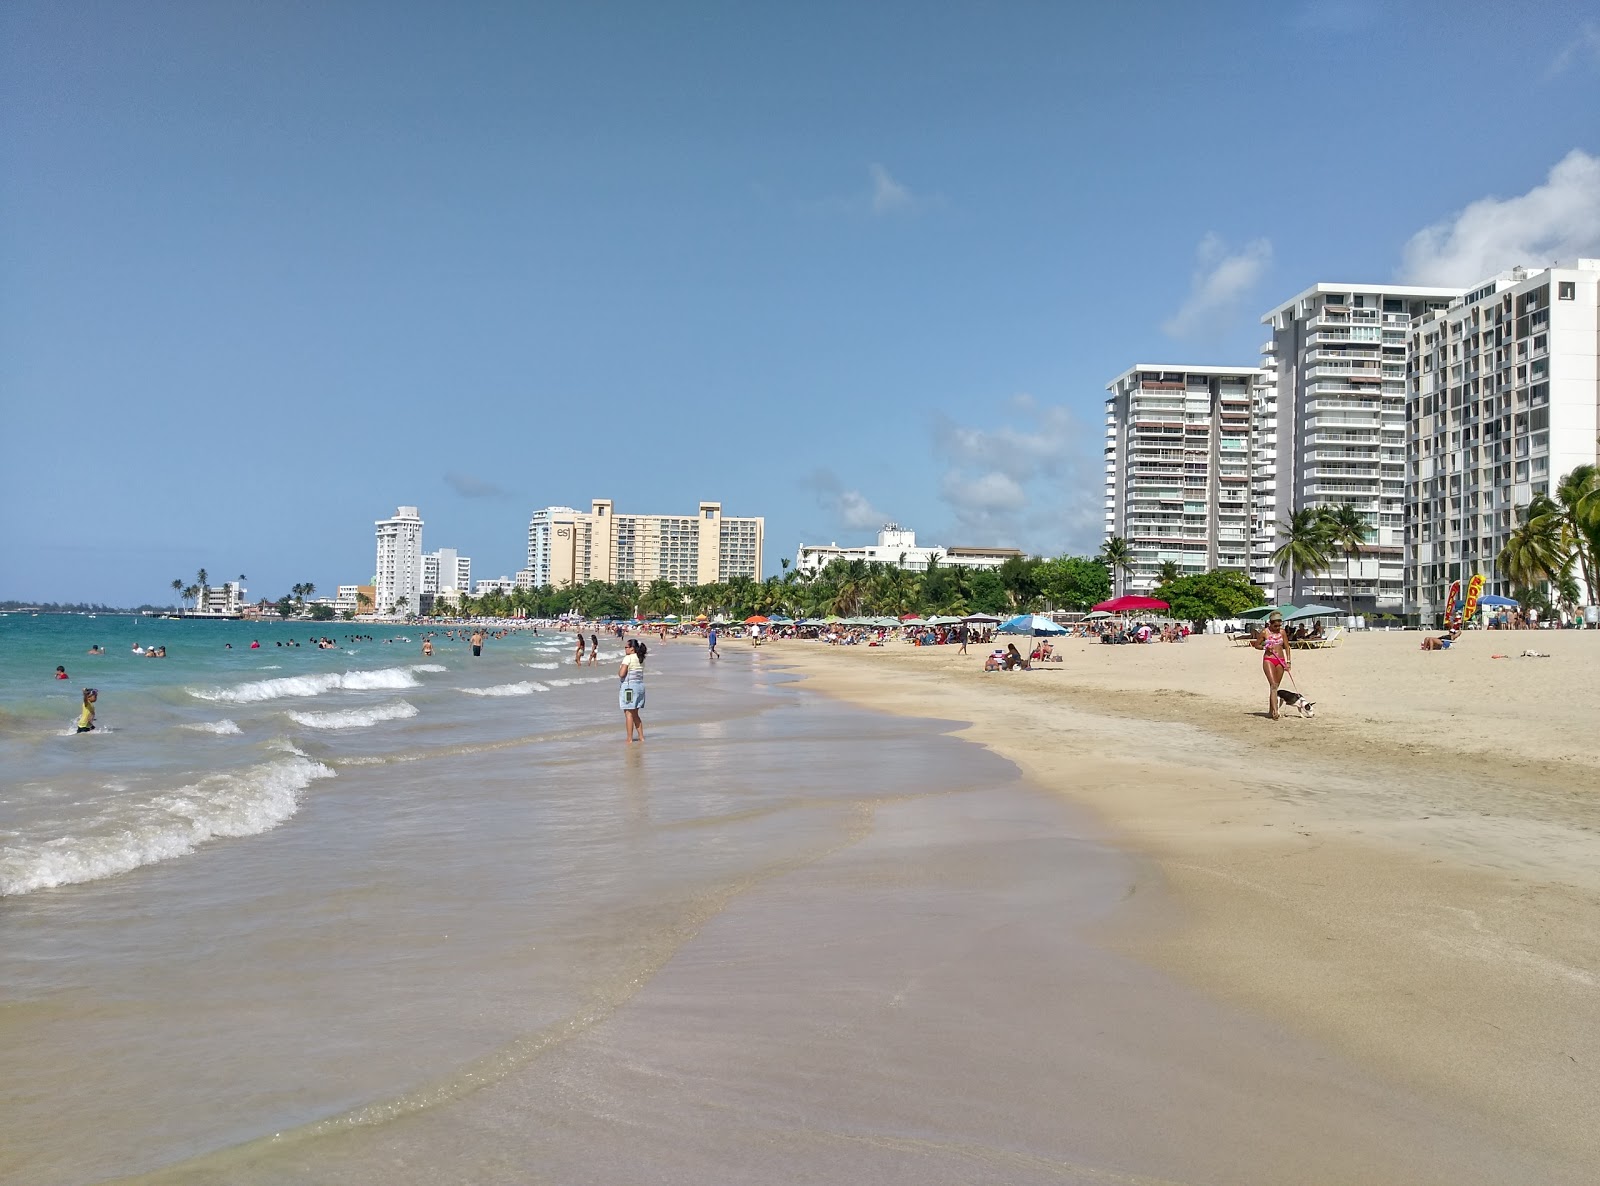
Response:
column 1262, row 612
column 1118, row 605
column 753, row 619
column 910, row 617
column 812, row 622
column 913, row 620
column 944, row 621
column 1034, row 624
column 1495, row 601
column 781, row 620
column 1312, row 611
column 987, row 618
column 1099, row 613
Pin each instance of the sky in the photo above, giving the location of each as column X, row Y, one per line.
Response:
column 268, row 272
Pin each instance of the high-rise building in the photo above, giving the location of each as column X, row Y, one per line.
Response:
column 445, row 570
column 399, row 574
column 570, row 547
column 1178, row 458
column 1337, row 400
column 1504, row 386
column 541, row 540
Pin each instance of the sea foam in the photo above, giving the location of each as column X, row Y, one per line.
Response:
column 525, row 688
column 173, row 824
column 223, row 728
column 315, row 685
column 355, row 718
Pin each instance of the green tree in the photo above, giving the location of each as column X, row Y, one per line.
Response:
column 1305, row 547
column 177, row 587
column 1206, row 596
column 285, row 607
column 1345, row 528
column 1533, row 552
column 1578, row 496
column 321, row 613
column 1168, row 572
column 1074, row 582
column 1117, row 556
column 989, row 591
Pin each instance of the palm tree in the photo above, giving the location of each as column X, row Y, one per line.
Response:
column 177, row 587
column 1534, row 551
column 1578, row 497
column 1168, row 572
column 1346, row 529
column 1305, row 546
column 1117, row 556
column 308, row 589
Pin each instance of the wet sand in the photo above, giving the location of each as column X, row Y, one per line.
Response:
column 1410, row 879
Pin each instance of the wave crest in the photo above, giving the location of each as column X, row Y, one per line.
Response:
column 240, row 803
column 254, row 692
column 525, row 688
column 355, row 718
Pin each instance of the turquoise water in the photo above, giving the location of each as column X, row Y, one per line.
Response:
column 221, row 740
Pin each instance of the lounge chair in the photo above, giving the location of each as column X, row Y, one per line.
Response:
column 1326, row 643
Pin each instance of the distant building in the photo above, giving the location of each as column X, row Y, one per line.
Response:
column 445, row 570
column 524, row 579
column 542, row 540
column 567, row 547
column 225, row 600
column 1178, row 451
column 399, row 572
column 355, row 599
column 897, row 546
column 1502, row 403
column 494, row 585
column 1337, row 431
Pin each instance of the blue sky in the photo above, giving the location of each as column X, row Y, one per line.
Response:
column 269, row 271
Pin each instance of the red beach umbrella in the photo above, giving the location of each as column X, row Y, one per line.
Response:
column 1118, row 605
column 753, row 619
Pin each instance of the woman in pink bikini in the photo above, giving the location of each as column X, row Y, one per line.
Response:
column 1275, row 658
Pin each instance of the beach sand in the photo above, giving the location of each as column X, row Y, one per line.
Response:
column 1409, row 879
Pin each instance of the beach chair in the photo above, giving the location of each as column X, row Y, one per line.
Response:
column 1333, row 638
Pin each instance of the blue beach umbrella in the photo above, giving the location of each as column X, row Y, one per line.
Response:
column 1034, row 624
column 1495, row 601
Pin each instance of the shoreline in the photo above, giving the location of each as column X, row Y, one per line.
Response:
column 1421, row 896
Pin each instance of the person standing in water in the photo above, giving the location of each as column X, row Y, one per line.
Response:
column 711, row 640
column 86, row 717
column 594, row 649
column 477, row 643
column 577, row 656
column 630, row 695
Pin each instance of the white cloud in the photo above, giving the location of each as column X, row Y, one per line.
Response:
column 1221, row 280
column 1557, row 220
column 1025, row 480
column 1583, row 48
column 888, row 195
column 852, row 510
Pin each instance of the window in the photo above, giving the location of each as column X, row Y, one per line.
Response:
column 1567, row 290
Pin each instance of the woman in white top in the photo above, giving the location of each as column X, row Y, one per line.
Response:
column 630, row 695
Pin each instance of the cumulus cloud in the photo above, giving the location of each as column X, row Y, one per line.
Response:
column 1584, row 48
column 470, row 487
column 1222, row 278
column 1025, row 479
column 851, row 509
column 1559, row 219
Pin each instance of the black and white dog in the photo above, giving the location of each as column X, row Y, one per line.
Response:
column 1288, row 699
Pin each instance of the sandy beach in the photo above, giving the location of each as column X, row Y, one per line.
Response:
column 1408, row 879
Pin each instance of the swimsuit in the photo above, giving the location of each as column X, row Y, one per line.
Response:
column 1269, row 645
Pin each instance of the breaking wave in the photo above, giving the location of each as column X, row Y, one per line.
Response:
column 355, row 718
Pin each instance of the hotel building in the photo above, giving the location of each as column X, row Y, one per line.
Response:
column 399, row 573
column 445, row 570
column 1503, row 392
column 349, row 599
column 1333, row 400
column 567, row 547
column 897, row 546
column 1178, row 468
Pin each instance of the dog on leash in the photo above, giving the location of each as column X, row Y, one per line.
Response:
column 1288, row 699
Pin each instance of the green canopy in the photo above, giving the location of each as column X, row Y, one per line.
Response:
column 1310, row 611
column 1262, row 612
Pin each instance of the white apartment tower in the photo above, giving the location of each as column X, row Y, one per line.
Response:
column 398, row 582
column 542, row 529
column 446, row 570
column 1178, row 466
column 1333, row 400
column 1504, row 387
